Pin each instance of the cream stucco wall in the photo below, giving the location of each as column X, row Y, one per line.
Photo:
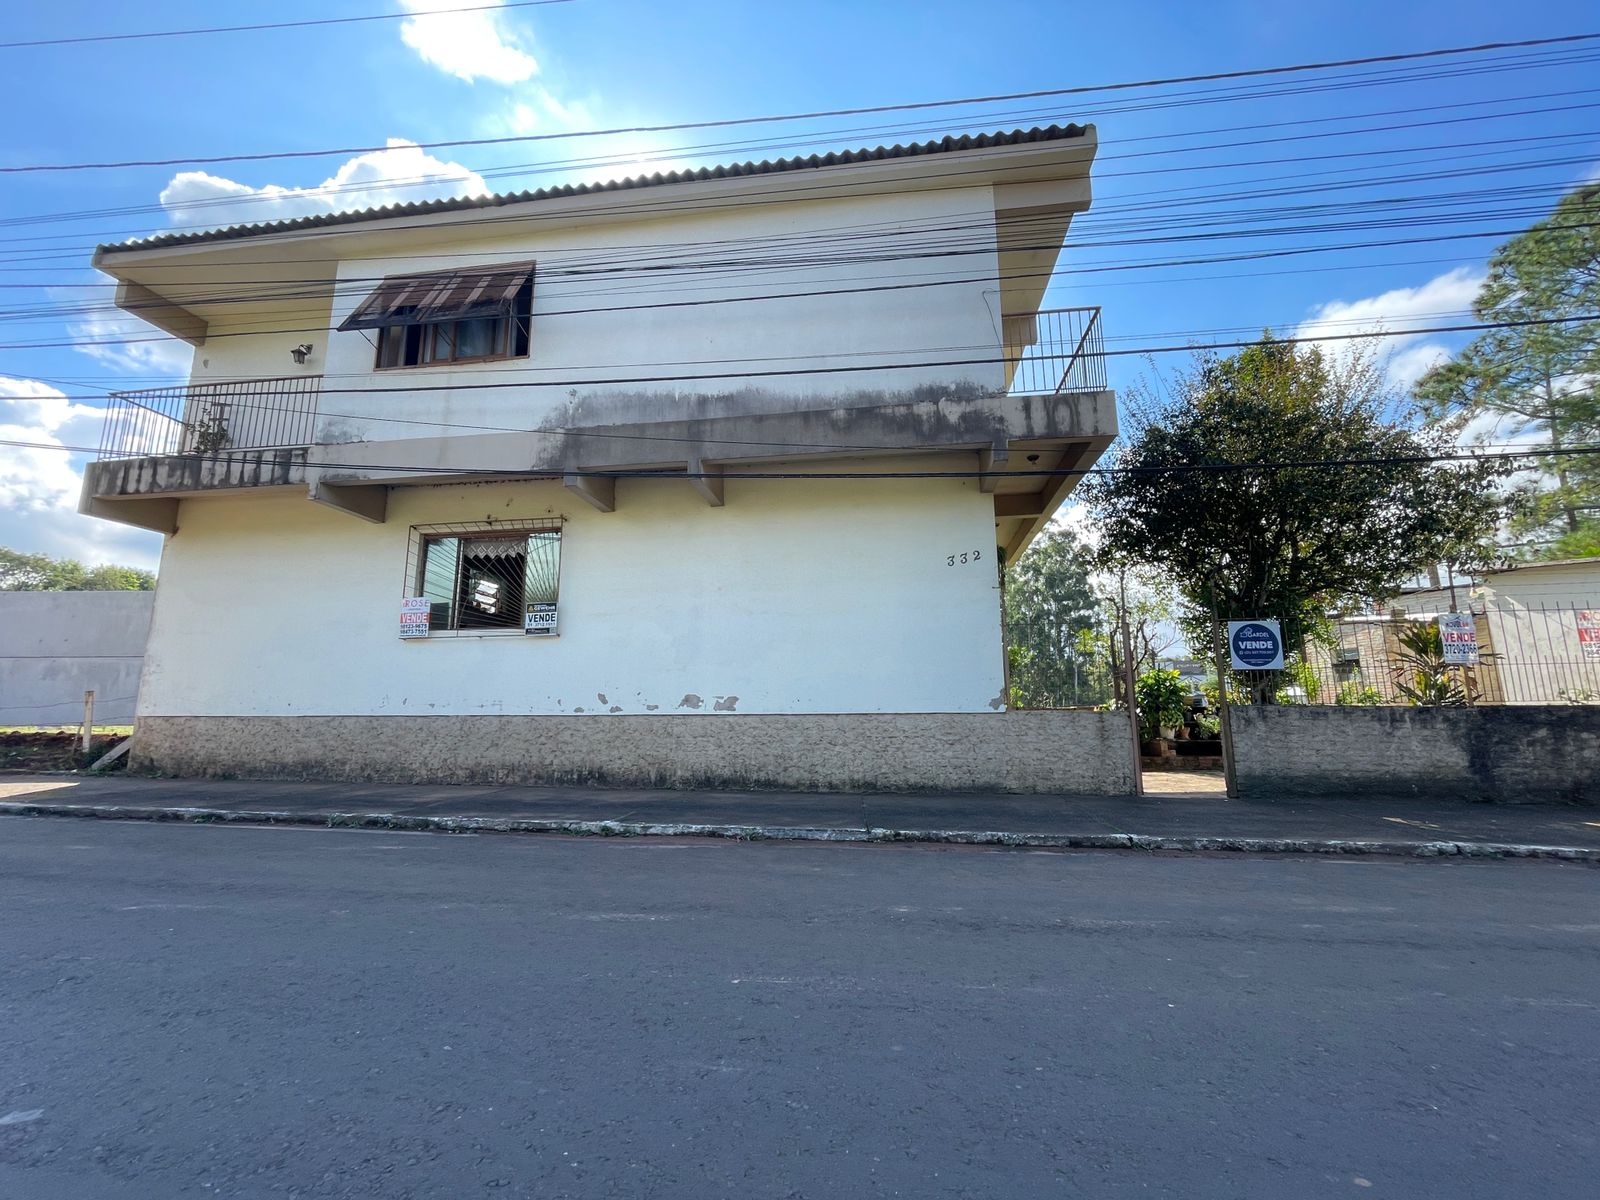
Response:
column 806, row 596
column 598, row 294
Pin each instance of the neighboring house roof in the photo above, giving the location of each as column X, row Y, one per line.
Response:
column 777, row 166
column 1549, row 562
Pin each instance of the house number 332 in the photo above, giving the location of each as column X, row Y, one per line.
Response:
column 951, row 560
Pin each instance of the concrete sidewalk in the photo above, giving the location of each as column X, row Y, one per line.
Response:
column 1187, row 820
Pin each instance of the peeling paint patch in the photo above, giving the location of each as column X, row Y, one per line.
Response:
column 727, row 703
column 615, row 708
column 998, row 702
column 651, row 707
column 691, row 701
column 577, row 710
column 601, row 696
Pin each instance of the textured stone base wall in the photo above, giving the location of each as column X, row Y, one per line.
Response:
column 1511, row 753
column 1083, row 752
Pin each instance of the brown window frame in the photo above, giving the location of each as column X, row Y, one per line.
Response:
column 512, row 331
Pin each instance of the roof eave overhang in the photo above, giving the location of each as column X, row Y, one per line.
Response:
column 1038, row 187
column 1046, row 163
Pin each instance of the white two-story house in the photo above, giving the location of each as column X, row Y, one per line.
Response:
column 696, row 479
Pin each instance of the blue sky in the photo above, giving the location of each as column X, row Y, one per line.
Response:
column 590, row 64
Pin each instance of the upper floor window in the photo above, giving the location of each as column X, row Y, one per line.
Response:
column 474, row 314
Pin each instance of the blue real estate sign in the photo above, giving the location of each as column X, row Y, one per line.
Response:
column 1255, row 645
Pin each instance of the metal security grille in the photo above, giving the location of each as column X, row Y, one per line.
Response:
column 481, row 576
column 1524, row 654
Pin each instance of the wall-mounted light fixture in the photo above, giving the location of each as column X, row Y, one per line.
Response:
column 300, row 352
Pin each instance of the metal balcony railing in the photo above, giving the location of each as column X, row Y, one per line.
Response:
column 1055, row 351
column 212, row 418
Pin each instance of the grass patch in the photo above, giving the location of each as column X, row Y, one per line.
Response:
column 52, row 750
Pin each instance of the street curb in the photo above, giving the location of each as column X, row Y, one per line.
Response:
column 952, row 837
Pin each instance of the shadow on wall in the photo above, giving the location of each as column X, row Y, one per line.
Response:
column 1505, row 753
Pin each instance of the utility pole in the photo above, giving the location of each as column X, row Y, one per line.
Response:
column 1230, row 773
column 1128, row 690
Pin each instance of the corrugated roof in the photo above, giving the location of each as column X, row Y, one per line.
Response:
column 949, row 145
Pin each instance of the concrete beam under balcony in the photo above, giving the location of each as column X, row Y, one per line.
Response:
column 369, row 502
column 145, row 491
column 598, row 490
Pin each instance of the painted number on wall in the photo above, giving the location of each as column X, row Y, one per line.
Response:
column 951, row 560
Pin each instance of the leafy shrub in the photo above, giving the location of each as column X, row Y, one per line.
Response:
column 1355, row 692
column 1161, row 696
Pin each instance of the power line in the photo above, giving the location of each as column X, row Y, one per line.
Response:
column 355, row 224
column 308, row 289
column 1165, row 281
column 681, row 153
column 1209, row 77
column 1256, row 255
column 638, row 262
column 988, row 360
column 40, row 253
column 1463, row 456
column 167, row 33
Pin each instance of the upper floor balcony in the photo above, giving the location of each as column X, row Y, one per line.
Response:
column 212, row 418
column 1052, row 417
column 1054, row 352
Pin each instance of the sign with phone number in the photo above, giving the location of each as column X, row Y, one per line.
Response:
column 414, row 617
column 540, row 620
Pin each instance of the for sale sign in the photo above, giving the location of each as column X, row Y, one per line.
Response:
column 414, row 617
column 540, row 620
column 1459, row 636
column 1256, row 645
column 1589, row 635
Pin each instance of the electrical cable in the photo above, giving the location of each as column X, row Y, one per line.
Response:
column 169, row 33
column 1088, row 89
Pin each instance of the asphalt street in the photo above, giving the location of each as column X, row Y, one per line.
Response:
column 193, row 1011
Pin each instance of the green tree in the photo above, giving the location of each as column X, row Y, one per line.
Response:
column 1236, row 481
column 40, row 573
column 1052, row 620
column 1542, row 378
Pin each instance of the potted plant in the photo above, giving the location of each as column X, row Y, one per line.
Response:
column 1160, row 696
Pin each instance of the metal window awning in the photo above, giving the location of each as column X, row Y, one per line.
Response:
column 441, row 296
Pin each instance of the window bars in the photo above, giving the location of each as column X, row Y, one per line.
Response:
column 484, row 577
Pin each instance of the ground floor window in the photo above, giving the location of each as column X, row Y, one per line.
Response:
column 487, row 577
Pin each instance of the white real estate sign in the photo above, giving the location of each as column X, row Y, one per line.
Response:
column 414, row 617
column 1459, row 637
column 1589, row 634
column 540, row 620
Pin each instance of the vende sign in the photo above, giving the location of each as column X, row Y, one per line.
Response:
column 1589, row 635
column 1458, row 634
column 414, row 612
column 1256, row 645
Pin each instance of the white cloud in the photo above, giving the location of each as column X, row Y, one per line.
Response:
column 468, row 45
column 1441, row 301
column 39, row 486
column 1075, row 516
column 401, row 174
